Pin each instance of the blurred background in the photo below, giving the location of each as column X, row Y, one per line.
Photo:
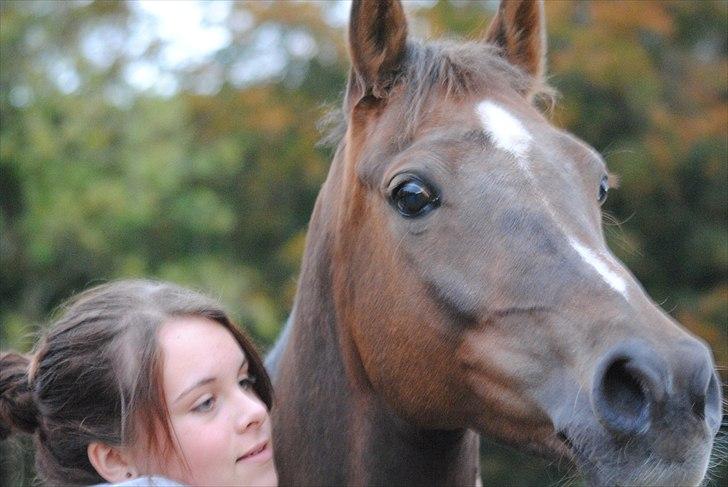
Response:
column 178, row 140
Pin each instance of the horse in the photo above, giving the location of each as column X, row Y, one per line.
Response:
column 456, row 282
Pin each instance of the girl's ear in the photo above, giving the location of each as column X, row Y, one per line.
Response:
column 111, row 463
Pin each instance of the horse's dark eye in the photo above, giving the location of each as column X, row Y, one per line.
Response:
column 414, row 198
column 603, row 188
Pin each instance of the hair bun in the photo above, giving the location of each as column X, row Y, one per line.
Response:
column 18, row 411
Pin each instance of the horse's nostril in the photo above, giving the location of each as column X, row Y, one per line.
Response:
column 699, row 407
column 635, row 389
column 623, row 402
column 628, row 382
column 623, row 391
column 711, row 410
column 695, row 373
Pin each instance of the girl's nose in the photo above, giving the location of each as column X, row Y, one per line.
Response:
column 252, row 411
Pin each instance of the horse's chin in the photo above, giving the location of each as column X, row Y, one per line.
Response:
column 604, row 465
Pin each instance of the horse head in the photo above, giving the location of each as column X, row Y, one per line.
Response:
column 471, row 281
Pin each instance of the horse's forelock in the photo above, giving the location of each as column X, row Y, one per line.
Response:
column 446, row 69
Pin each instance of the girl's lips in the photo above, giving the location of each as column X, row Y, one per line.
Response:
column 259, row 453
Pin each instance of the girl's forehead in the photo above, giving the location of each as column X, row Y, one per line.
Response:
column 192, row 341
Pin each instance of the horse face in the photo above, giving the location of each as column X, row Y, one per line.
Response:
column 476, row 282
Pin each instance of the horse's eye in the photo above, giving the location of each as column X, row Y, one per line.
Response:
column 414, row 198
column 603, row 188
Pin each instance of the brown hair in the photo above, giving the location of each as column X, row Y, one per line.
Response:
column 96, row 376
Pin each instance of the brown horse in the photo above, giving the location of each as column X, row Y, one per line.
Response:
column 456, row 282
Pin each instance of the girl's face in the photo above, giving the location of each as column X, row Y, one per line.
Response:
column 222, row 428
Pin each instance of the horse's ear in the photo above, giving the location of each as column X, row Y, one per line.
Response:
column 377, row 43
column 519, row 29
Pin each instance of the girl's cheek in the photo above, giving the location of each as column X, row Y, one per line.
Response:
column 200, row 440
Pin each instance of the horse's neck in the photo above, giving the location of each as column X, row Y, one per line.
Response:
column 393, row 452
column 330, row 431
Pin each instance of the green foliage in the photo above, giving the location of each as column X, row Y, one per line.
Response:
column 212, row 185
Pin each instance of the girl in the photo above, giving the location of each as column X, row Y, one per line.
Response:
column 142, row 382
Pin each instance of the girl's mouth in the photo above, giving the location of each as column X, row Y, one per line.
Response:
column 258, row 452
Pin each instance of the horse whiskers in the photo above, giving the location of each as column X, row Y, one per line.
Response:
column 399, row 244
column 608, row 153
column 719, row 454
column 570, row 478
column 572, row 473
column 622, row 242
column 623, row 450
column 610, row 220
column 576, row 399
column 562, row 462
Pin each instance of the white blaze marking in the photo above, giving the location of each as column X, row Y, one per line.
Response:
column 507, row 132
column 601, row 267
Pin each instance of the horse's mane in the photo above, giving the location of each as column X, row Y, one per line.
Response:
column 453, row 69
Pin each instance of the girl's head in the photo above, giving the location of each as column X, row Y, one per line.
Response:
column 141, row 377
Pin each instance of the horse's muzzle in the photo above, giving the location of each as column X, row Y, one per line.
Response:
column 636, row 390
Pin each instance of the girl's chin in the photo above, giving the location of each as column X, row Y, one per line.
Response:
column 268, row 477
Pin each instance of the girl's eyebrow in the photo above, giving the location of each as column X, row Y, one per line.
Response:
column 205, row 381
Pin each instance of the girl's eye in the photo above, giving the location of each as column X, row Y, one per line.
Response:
column 247, row 383
column 205, row 406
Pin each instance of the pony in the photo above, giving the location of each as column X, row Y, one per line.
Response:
column 456, row 282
